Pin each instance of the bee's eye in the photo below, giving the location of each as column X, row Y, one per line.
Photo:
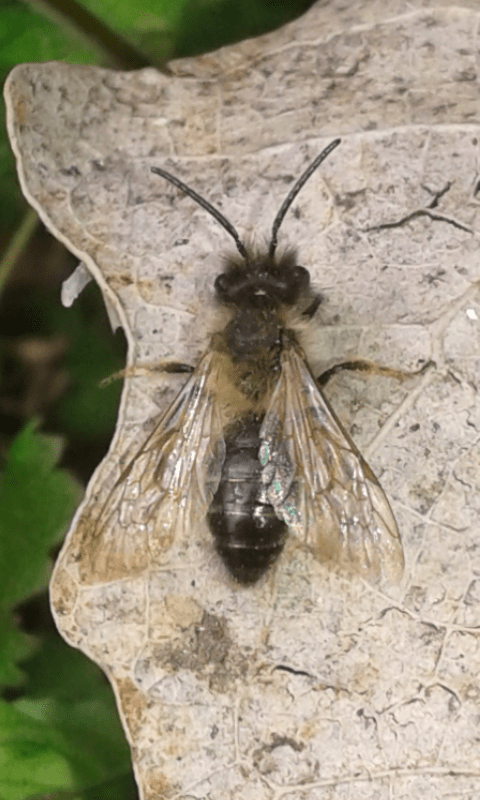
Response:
column 296, row 281
column 222, row 285
column 301, row 276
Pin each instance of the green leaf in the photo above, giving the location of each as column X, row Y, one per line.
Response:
column 36, row 502
column 63, row 738
column 32, row 756
column 64, row 693
column 47, row 748
column 14, row 646
column 28, row 35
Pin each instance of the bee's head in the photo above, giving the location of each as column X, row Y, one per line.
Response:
column 262, row 281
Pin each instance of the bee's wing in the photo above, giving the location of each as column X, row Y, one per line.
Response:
column 319, row 483
column 168, row 480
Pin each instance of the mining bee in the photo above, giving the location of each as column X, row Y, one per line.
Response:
column 250, row 442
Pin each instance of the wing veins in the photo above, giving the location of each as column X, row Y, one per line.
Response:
column 342, row 511
column 149, row 503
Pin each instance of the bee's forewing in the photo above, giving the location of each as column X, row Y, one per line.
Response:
column 170, row 477
column 319, row 483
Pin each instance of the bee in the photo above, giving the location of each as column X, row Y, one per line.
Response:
column 250, row 442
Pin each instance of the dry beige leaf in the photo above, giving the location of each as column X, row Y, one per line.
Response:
column 308, row 685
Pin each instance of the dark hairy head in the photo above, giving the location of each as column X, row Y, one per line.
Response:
column 259, row 278
column 262, row 280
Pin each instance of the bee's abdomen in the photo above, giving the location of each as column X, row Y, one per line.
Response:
column 248, row 535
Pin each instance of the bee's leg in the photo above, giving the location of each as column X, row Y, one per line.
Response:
column 313, row 307
column 362, row 365
column 160, row 366
column 173, row 366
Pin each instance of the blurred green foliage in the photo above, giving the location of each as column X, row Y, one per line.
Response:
column 61, row 731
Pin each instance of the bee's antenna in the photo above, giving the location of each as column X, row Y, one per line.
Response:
column 295, row 190
column 207, row 206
